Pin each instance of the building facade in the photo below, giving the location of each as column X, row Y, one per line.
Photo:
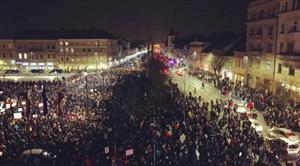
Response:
column 67, row 54
column 273, row 46
column 7, row 54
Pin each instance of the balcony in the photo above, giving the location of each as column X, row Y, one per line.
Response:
column 258, row 50
column 286, row 53
column 256, row 37
column 269, row 18
column 293, row 30
column 36, row 49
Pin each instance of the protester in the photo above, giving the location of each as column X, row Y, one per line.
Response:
column 125, row 117
column 276, row 113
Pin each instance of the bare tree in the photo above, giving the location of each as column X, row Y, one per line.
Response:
column 217, row 63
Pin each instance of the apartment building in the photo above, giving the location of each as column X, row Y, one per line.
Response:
column 48, row 54
column 288, row 46
column 273, row 45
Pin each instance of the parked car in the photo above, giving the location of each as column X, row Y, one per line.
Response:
column 36, row 157
column 284, row 147
column 12, row 72
column 283, row 133
column 56, row 71
column 255, row 124
column 180, row 72
column 37, row 71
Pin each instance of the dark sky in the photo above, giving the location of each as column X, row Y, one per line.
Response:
column 133, row 19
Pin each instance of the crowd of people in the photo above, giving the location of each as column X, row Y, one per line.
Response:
column 276, row 113
column 125, row 117
column 164, row 127
column 68, row 132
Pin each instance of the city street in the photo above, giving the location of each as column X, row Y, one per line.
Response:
column 188, row 83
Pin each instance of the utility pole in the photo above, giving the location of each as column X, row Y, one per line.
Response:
column 275, row 56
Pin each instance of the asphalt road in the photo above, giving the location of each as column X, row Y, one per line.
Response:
column 188, row 83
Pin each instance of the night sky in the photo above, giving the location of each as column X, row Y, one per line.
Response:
column 133, row 19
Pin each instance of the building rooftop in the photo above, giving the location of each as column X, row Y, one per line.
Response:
column 227, row 45
column 259, row 2
column 61, row 34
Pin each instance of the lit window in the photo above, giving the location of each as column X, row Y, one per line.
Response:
column 67, row 49
column 61, row 43
column 72, row 50
column 20, row 56
column 66, row 43
column 25, row 56
column 61, row 50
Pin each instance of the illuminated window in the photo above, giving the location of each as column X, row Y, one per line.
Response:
column 61, row 43
column 25, row 56
column 61, row 50
column 20, row 56
column 66, row 43
column 72, row 50
column 67, row 49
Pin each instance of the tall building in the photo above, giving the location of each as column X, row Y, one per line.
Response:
column 289, row 28
column 35, row 54
column 262, row 26
column 68, row 54
column 288, row 47
column 77, row 54
column 273, row 45
column 171, row 42
column 7, row 54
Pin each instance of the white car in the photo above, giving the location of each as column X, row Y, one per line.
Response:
column 283, row 132
column 241, row 109
column 285, row 145
column 255, row 124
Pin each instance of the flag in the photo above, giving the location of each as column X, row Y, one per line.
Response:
column 60, row 97
column 27, row 112
column 106, row 150
column 129, row 152
column 142, row 124
column 44, row 100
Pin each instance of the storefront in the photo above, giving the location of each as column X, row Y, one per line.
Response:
column 227, row 74
column 50, row 66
